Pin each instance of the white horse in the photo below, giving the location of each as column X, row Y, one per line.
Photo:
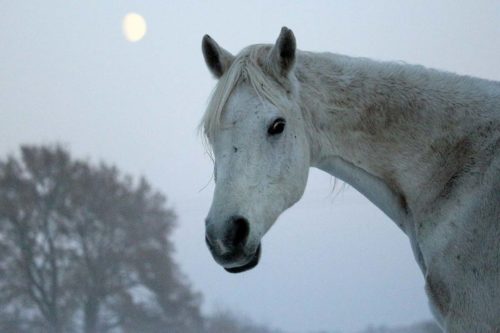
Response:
column 422, row 145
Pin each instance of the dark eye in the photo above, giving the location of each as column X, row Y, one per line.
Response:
column 276, row 127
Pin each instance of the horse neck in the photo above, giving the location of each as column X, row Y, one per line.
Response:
column 402, row 124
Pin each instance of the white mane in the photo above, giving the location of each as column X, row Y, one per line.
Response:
column 244, row 68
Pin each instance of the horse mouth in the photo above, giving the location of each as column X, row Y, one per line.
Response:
column 254, row 261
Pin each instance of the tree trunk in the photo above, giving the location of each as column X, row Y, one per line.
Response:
column 54, row 322
column 91, row 315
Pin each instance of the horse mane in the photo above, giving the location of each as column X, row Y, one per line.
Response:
column 246, row 67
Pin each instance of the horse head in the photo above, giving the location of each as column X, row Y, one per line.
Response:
column 257, row 134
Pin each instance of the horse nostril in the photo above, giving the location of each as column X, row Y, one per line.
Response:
column 241, row 229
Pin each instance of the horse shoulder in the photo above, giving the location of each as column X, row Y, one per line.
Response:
column 460, row 248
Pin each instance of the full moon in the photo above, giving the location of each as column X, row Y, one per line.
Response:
column 134, row 27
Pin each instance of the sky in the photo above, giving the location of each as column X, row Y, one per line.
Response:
column 333, row 261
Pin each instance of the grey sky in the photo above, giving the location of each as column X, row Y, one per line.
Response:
column 68, row 75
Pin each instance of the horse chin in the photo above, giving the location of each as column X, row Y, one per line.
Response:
column 254, row 261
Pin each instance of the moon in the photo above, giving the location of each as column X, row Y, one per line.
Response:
column 134, row 27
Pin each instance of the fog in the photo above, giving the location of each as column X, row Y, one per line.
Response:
column 333, row 261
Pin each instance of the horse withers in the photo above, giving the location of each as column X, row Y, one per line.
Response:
column 421, row 144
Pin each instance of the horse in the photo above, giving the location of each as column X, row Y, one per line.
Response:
column 422, row 145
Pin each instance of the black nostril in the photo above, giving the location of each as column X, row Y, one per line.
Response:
column 239, row 232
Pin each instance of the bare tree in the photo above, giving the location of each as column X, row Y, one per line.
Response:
column 84, row 246
column 35, row 253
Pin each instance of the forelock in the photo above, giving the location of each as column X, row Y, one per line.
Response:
column 247, row 66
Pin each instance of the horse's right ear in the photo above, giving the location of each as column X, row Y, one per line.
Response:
column 218, row 60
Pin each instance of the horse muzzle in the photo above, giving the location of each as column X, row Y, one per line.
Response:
column 230, row 245
column 254, row 261
column 234, row 260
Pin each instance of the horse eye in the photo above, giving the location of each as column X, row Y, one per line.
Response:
column 277, row 127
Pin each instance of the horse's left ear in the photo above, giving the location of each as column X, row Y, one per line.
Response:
column 282, row 55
